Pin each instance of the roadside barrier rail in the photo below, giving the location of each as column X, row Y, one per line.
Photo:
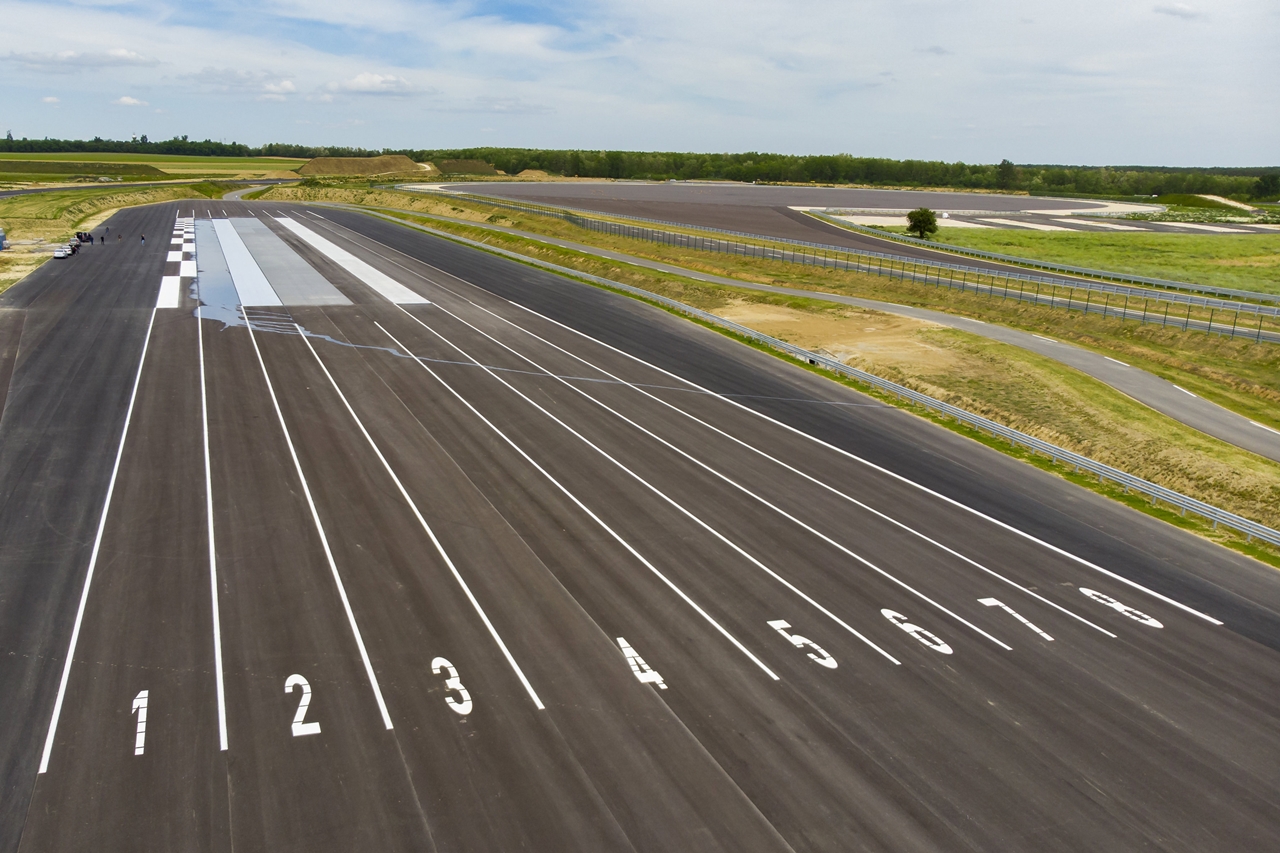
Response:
column 1023, row 287
column 1043, row 265
column 1129, row 482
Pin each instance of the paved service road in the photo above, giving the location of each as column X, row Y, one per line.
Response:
column 500, row 561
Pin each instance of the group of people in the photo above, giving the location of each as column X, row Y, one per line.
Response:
column 86, row 237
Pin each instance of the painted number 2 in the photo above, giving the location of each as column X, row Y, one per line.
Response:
column 461, row 705
column 300, row 728
column 819, row 655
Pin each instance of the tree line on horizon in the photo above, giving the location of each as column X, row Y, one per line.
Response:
column 1261, row 182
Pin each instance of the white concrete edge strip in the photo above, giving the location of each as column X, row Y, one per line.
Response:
column 1029, row 537
column 763, row 454
column 759, row 498
column 1264, row 426
column 324, row 540
column 484, row 617
column 381, row 283
column 213, row 552
column 724, row 632
column 250, row 283
column 93, row 556
column 170, row 295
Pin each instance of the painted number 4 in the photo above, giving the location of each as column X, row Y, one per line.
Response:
column 822, row 658
column 301, row 729
column 642, row 670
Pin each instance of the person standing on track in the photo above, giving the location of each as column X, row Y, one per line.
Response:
column 144, row 239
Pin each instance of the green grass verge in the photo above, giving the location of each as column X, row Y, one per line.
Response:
column 1238, row 261
column 693, row 292
column 217, row 164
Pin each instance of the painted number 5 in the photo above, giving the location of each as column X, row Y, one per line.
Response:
column 822, row 658
column 461, row 705
column 301, row 729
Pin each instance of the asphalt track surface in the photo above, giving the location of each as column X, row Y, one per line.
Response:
column 477, row 502
column 1147, row 388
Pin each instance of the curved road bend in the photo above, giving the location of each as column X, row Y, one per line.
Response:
column 1147, row 388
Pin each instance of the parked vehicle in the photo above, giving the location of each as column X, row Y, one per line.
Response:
column 61, row 252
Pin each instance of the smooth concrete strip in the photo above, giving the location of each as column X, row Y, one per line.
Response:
column 251, row 284
column 381, row 283
column 213, row 276
column 294, row 280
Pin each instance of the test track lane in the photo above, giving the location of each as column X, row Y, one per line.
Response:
column 1114, row 739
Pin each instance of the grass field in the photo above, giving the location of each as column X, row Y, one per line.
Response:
column 35, row 224
column 167, row 163
column 1239, row 261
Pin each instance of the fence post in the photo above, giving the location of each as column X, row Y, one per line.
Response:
column 1210, row 326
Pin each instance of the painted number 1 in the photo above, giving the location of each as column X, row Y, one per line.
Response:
column 822, row 658
column 140, row 708
column 301, row 729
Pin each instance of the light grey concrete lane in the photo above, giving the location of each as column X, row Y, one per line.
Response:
column 1143, row 386
column 294, row 280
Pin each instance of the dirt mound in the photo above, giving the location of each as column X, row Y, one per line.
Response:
column 387, row 163
column 533, row 173
column 466, row 167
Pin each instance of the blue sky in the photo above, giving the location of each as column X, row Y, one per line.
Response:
column 1082, row 82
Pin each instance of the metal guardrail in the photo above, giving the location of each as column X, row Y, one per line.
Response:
column 822, row 254
column 907, row 239
column 1155, row 492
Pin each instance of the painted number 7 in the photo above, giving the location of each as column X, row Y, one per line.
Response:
column 822, row 658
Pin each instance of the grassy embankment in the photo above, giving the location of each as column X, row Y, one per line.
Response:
column 71, row 168
column 35, row 224
column 1026, row 391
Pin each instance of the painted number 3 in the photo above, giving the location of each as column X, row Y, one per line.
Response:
column 461, row 705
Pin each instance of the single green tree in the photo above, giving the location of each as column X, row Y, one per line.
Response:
column 1267, row 186
column 922, row 222
column 1006, row 174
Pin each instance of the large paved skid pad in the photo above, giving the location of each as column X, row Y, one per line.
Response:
column 526, row 584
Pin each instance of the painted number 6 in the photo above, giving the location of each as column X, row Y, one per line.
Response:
column 301, row 729
column 928, row 638
column 453, row 682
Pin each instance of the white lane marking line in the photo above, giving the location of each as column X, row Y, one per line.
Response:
column 1097, row 224
column 997, row 522
column 170, row 295
column 733, row 438
column 444, row 555
column 803, row 525
column 93, row 556
column 1116, row 360
column 1198, row 227
column 381, row 283
column 669, row 500
column 597, row 519
column 1264, row 426
column 250, row 282
column 1043, row 338
column 777, row 461
column 213, row 551
column 993, row 602
column 1183, row 390
column 140, row 708
column 324, row 540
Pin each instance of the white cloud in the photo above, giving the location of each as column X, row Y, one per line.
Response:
column 368, row 83
column 281, row 88
column 49, row 99
column 126, row 101
column 67, row 61
column 1178, row 10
